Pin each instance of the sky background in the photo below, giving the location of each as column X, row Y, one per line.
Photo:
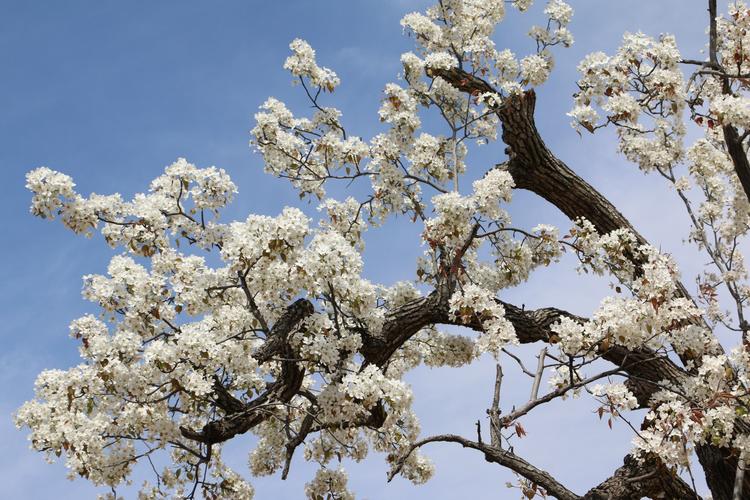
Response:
column 111, row 92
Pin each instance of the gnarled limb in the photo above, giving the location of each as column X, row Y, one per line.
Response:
column 646, row 368
column 276, row 342
column 533, row 167
column 239, row 420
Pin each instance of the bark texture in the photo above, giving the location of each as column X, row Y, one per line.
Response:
column 634, row 481
column 240, row 417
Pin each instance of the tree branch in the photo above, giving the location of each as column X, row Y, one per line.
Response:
column 499, row 456
column 238, row 421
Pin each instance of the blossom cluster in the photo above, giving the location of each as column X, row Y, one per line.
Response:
column 642, row 92
column 473, row 304
column 466, row 28
column 302, row 64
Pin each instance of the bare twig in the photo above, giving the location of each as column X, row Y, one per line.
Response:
column 538, row 375
column 494, row 411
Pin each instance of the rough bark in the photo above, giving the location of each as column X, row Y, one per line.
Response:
column 635, row 480
column 533, row 167
column 403, row 323
column 240, row 417
column 736, row 151
column 645, row 367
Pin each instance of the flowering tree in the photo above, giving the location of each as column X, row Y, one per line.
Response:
column 281, row 336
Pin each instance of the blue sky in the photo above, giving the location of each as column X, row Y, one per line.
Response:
column 111, row 92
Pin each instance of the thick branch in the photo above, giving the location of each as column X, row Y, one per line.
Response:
column 646, row 368
column 739, row 159
column 225, row 399
column 535, row 168
column 238, row 421
column 403, row 323
column 276, row 340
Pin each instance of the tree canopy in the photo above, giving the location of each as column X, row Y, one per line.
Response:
column 210, row 329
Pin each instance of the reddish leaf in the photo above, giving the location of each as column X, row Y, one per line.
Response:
column 520, row 432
